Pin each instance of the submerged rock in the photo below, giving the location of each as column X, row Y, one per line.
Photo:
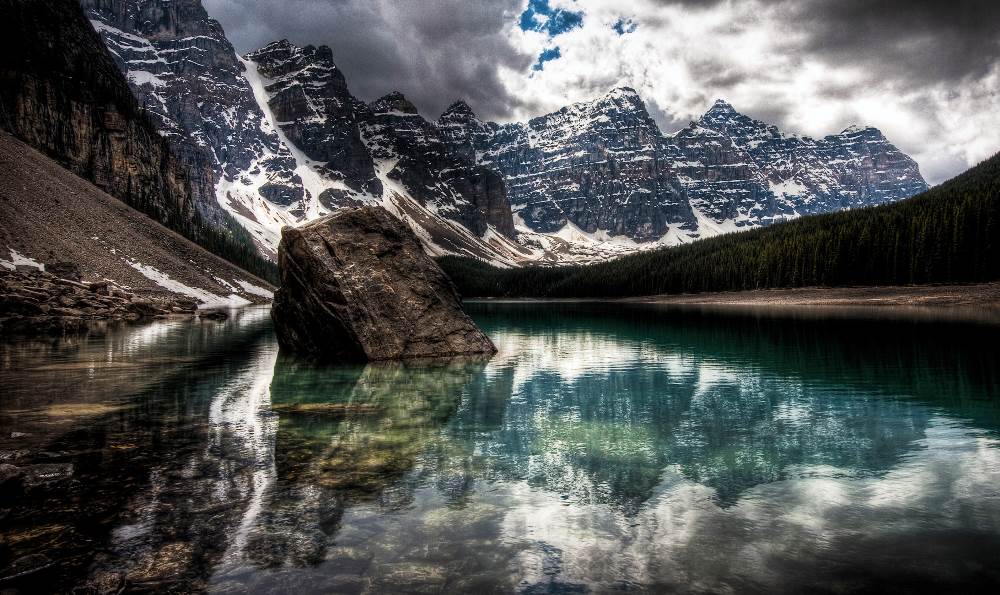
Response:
column 356, row 286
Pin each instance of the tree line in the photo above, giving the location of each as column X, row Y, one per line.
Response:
column 949, row 234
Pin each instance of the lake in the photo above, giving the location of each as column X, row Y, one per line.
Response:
column 605, row 448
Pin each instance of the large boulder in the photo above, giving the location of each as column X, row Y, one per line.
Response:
column 357, row 286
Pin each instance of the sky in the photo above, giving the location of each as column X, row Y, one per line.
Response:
column 925, row 72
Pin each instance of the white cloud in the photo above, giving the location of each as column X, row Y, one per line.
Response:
column 680, row 60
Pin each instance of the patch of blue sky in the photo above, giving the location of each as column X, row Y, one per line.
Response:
column 541, row 17
column 547, row 55
column 623, row 26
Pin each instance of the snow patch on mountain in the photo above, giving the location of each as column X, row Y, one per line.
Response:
column 206, row 299
column 18, row 259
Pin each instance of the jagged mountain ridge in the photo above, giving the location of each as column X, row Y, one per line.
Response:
column 604, row 167
column 186, row 76
column 593, row 180
column 277, row 133
column 186, row 73
column 854, row 168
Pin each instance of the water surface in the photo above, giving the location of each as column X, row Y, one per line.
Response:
column 606, row 448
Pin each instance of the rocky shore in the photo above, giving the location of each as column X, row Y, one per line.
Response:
column 40, row 302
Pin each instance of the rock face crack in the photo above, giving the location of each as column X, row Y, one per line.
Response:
column 357, row 286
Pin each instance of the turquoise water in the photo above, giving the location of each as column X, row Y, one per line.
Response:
column 606, row 448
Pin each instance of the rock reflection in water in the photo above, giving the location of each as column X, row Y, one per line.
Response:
column 344, row 437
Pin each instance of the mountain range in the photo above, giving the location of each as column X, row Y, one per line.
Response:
column 946, row 235
column 281, row 139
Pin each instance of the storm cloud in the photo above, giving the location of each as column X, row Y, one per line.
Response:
column 432, row 51
column 926, row 72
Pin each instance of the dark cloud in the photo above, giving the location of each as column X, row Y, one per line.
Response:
column 437, row 51
column 433, row 52
column 929, row 41
column 713, row 74
column 908, row 41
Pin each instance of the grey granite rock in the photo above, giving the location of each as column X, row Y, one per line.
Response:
column 358, row 286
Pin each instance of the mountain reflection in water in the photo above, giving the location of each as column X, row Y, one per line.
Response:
column 607, row 447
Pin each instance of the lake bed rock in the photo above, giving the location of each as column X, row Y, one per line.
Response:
column 357, row 286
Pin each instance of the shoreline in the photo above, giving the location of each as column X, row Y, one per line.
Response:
column 985, row 295
column 938, row 296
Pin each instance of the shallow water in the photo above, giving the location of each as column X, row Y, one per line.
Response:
column 606, row 448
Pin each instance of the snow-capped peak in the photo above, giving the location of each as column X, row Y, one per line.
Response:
column 623, row 91
column 868, row 131
column 723, row 112
column 623, row 97
column 282, row 45
column 394, row 102
column 722, row 106
column 458, row 112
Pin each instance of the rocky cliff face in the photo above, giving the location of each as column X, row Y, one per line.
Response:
column 308, row 97
column 357, row 285
column 377, row 153
column 63, row 94
column 470, row 194
column 595, row 165
column 605, row 168
column 187, row 77
column 855, row 168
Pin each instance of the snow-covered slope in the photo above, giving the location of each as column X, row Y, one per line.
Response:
column 277, row 134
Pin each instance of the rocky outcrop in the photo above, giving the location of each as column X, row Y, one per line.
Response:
column 39, row 302
column 453, row 185
column 308, row 96
column 188, row 78
column 357, row 286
